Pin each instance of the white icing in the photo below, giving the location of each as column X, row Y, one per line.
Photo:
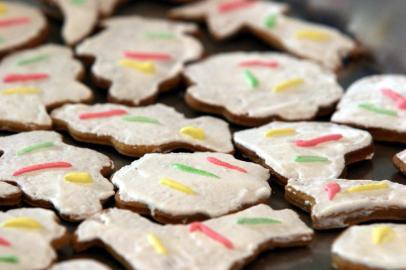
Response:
column 280, row 152
column 126, row 234
column 77, row 201
column 368, row 90
column 129, row 84
column 355, row 245
column 79, row 264
column 139, row 182
column 218, row 137
column 7, row 190
column 333, row 213
column 227, row 86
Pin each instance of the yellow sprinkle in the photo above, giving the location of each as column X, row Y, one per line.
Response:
column 3, row 8
column 157, row 244
column 176, row 185
column 287, row 84
column 194, row 132
column 21, row 223
column 368, row 187
column 78, row 178
column 381, row 233
column 20, row 90
column 313, row 35
column 145, row 67
column 279, row 132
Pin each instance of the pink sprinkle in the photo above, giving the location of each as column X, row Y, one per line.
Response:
column 143, row 56
column 319, row 140
column 399, row 100
column 14, row 21
column 197, row 226
column 332, row 189
column 42, row 166
column 11, row 78
column 104, row 114
column 259, row 63
column 221, row 163
column 4, row 242
column 233, row 5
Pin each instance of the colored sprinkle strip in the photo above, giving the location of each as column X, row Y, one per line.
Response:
column 144, row 67
column 311, row 159
column 3, row 8
column 194, row 132
column 224, row 164
column 140, row 119
column 8, row 258
column 156, row 243
column 4, row 242
column 160, row 35
column 250, row 78
column 26, row 223
column 14, row 21
column 32, row 60
column 399, row 100
column 78, row 178
column 259, row 63
column 257, row 221
column 287, row 85
column 375, row 109
column 319, row 140
column 312, row 35
column 368, row 187
column 381, row 234
column 197, row 226
column 104, row 114
column 12, row 78
column 35, row 147
column 280, row 132
column 332, row 189
column 21, row 91
column 188, row 169
column 270, row 21
column 78, row 2
column 42, row 166
column 233, row 5
column 142, row 56
column 176, row 185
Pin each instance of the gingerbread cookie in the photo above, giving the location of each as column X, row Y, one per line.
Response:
column 33, row 81
column 178, row 187
column 137, row 65
column 229, row 241
column 137, row 131
column 400, row 161
column 370, row 247
column 317, row 42
column 79, row 264
column 28, row 237
column 305, row 150
column 9, row 194
column 21, row 26
column 377, row 104
column 338, row 203
column 51, row 173
column 251, row 89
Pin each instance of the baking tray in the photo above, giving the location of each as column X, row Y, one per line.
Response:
column 317, row 255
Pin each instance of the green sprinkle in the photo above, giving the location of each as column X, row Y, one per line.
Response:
column 270, row 21
column 32, row 60
column 373, row 108
column 257, row 221
column 188, row 169
column 250, row 78
column 77, row 2
column 160, row 35
column 311, row 159
column 9, row 259
column 2, row 40
column 35, row 147
column 140, row 119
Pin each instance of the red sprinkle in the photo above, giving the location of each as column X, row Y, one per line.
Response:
column 143, row 56
column 221, row 163
column 11, row 78
column 396, row 97
column 332, row 189
column 259, row 63
column 319, row 140
column 4, row 242
column 233, row 5
column 197, row 226
column 14, row 21
column 104, row 114
column 42, row 166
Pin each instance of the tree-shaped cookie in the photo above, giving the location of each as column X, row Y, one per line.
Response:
column 137, row 131
column 51, row 173
column 79, row 264
column 136, row 58
column 28, row 238
column 305, row 150
column 9, row 194
column 377, row 104
column 265, row 19
column 228, row 242
column 35, row 80
column 255, row 88
column 400, row 161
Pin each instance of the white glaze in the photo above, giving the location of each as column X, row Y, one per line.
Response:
column 79, row 264
column 7, row 190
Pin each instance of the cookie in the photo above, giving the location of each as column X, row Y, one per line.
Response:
column 51, row 173
column 136, row 65
column 338, row 203
column 35, row 80
column 305, row 150
column 377, row 104
column 230, row 241
column 400, row 161
column 9, row 194
column 369, row 247
column 252, row 89
column 79, row 264
column 178, row 187
column 137, row 131
column 265, row 19
column 21, row 26
column 28, row 238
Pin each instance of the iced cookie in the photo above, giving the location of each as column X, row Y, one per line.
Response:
column 21, row 26
column 28, row 238
column 137, row 131
column 9, row 194
column 137, row 65
column 305, row 150
column 179, row 187
column 400, row 161
column 79, row 264
column 371, row 247
column 51, row 173
column 377, row 104
column 338, row 203
column 35, row 80
column 228, row 242
column 251, row 89
column 265, row 19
